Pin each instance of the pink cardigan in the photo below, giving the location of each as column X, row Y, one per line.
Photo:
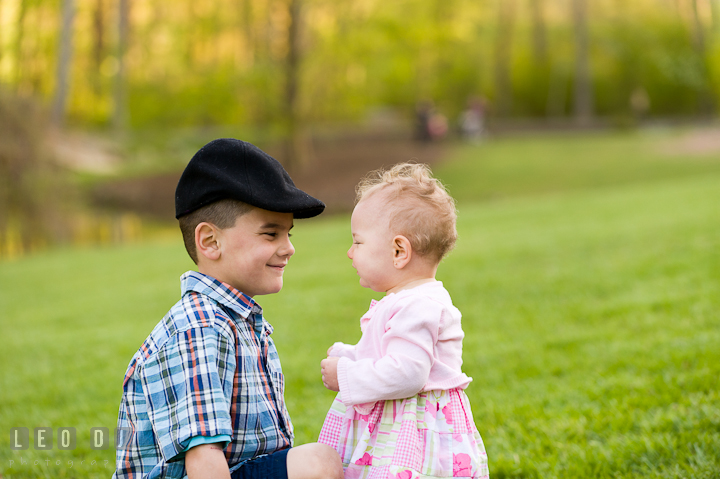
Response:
column 411, row 342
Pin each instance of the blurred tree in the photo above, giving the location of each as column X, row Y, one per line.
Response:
column 541, row 67
column 583, row 95
column 248, row 35
column 540, row 53
column 120, row 113
column 715, row 15
column 98, row 53
column 556, row 102
column 297, row 144
column 253, row 61
column 698, row 29
column 2, row 44
column 19, row 37
column 33, row 190
column 705, row 96
column 503, row 53
column 64, row 61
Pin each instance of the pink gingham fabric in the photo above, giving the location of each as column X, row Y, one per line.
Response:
column 430, row 435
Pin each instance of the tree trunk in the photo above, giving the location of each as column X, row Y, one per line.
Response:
column 98, row 43
column 62, row 80
column 19, row 37
column 120, row 90
column 296, row 145
column 705, row 98
column 557, row 90
column 503, row 52
column 539, row 32
column 583, row 95
column 698, row 30
column 1, row 43
column 541, row 60
column 248, row 31
column 715, row 15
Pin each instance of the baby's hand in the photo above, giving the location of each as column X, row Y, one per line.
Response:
column 328, row 368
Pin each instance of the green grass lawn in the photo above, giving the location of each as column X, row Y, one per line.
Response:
column 587, row 271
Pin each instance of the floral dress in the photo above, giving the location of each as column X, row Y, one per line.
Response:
column 429, row 435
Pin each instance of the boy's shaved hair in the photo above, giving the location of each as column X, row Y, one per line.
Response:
column 222, row 214
column 418, row 207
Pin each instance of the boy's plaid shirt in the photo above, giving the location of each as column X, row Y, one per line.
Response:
column 209, row 368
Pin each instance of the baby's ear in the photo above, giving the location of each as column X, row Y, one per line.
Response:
column 207, row 241
column 402, row 251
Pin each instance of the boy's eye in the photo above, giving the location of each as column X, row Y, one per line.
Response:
column 274, row 234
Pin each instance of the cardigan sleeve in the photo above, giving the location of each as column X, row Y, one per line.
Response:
column 342, row 350
column 407, row 346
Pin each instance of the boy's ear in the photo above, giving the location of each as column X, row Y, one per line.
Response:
column 402, row 251
column 207, row 241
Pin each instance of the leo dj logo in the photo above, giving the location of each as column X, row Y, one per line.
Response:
column 65, row 438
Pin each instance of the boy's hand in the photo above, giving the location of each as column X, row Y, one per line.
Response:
column 328, row 368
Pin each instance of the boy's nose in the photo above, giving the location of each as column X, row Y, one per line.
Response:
column 349, row 253
column 288, row 249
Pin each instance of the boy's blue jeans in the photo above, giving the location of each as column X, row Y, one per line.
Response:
column 272, row 466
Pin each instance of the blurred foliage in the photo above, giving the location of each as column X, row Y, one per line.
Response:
column 41, row 200
column 33, row 190
column 223, row 62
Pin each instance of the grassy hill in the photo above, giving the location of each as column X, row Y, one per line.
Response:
column 587, row 271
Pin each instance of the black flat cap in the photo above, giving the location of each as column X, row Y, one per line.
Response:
column 235, row 169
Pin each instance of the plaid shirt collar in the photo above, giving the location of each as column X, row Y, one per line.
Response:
column 226, row 295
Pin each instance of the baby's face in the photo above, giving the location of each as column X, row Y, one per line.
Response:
column 372, row 249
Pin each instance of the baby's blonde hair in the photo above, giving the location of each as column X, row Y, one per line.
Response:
column 419, row 207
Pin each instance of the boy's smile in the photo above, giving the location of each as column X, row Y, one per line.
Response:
column 254, row 252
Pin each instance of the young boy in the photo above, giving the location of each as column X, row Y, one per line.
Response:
column 203, row 396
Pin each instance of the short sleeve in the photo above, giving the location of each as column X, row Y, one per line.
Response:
column 188, row 388
column 224, row 440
